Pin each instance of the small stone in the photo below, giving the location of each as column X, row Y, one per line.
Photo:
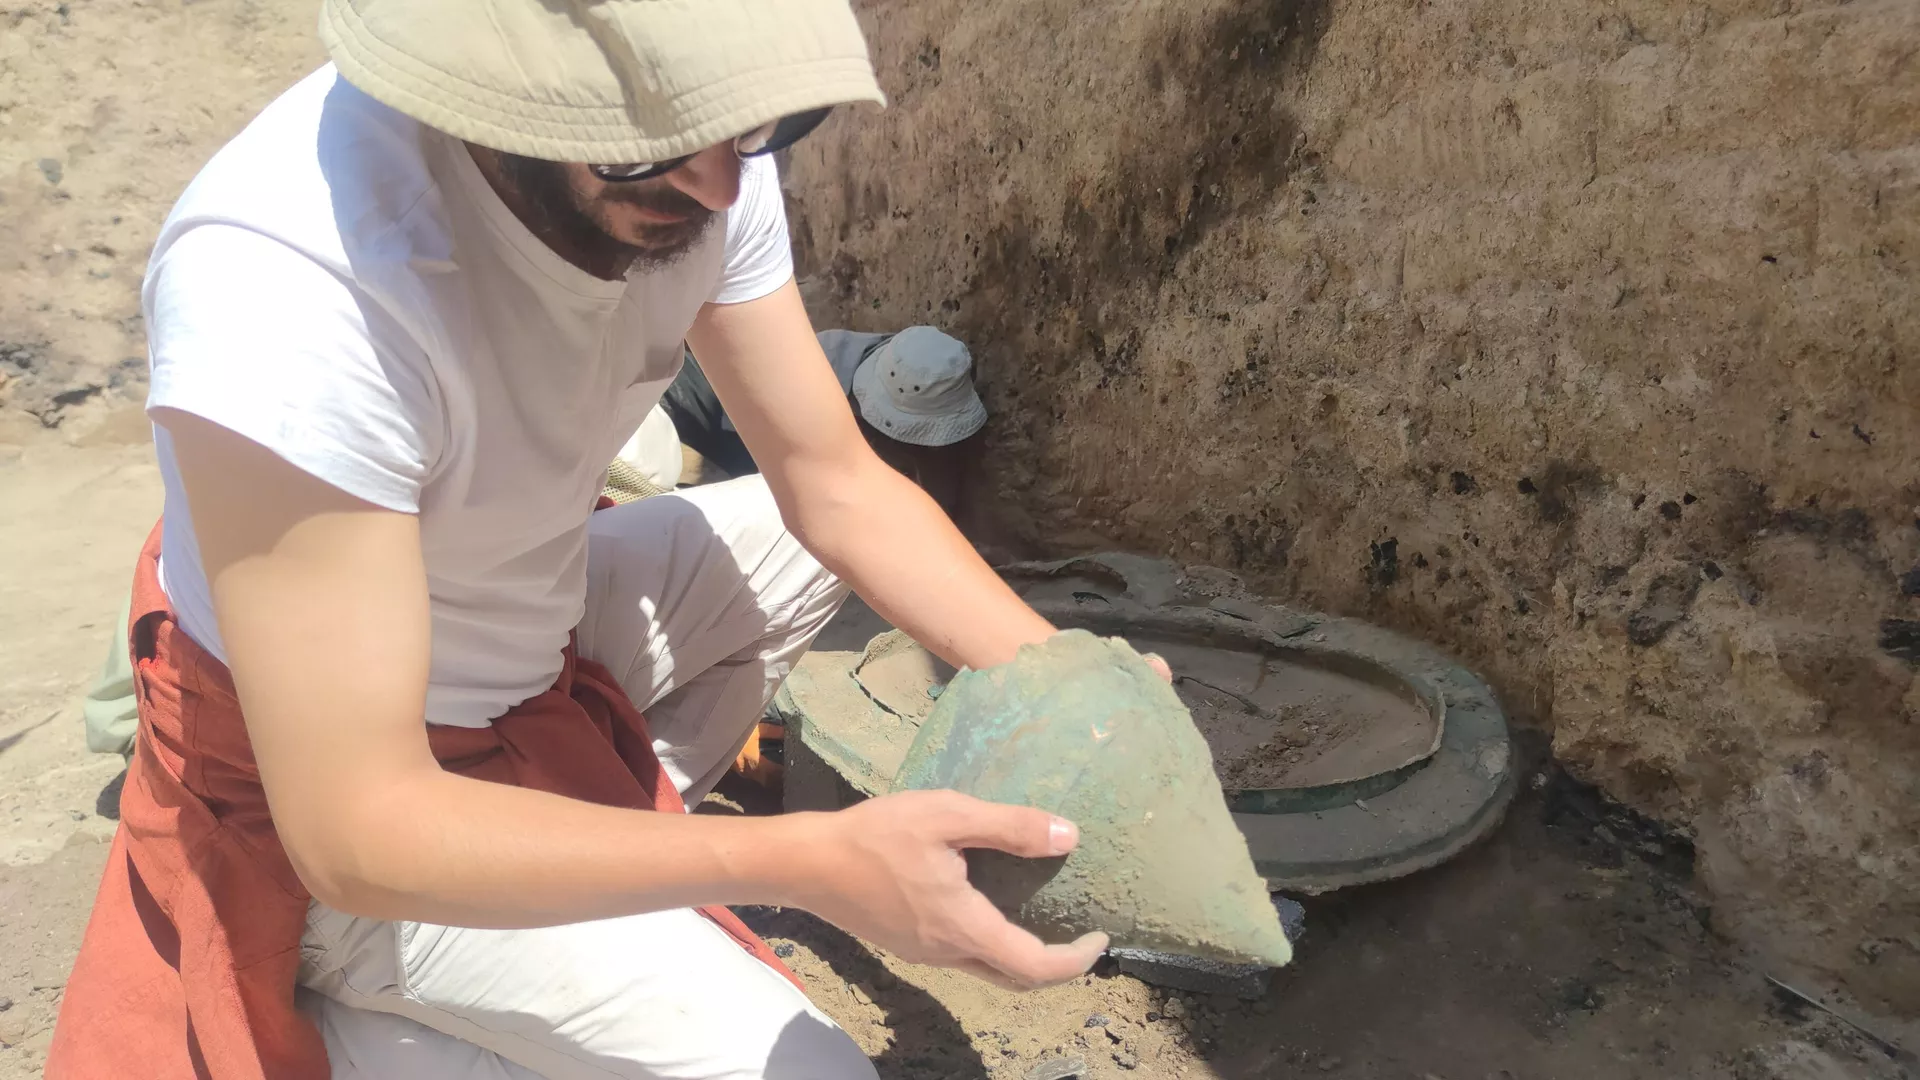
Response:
column 1175, row 1008
column 1328, row 1064
column 783, row 950
column 77, row 815
column 51, row 169
column 1098, row 1020
column 1293, row 917
column 1060, row 1068
column 1153, row 1017
column 860, row 996
column 5, row 1003
column 1126, row 1060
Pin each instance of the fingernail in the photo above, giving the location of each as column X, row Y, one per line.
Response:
column 1062, row 835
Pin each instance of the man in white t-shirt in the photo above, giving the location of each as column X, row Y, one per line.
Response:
column 398, row 328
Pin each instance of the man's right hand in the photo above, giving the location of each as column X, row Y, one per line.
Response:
column 891, row 871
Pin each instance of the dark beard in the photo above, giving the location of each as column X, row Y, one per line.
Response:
column 551, row 213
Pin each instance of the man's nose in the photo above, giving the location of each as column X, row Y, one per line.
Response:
column 711, row 177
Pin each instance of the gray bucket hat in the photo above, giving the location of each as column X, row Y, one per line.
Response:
column 918, row 388
column 600, row 81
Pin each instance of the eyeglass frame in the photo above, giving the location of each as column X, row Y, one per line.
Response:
column 803, row 125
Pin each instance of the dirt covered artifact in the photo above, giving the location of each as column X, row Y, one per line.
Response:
column 1082, row 727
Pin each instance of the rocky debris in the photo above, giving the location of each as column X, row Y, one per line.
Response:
column 1293, row 918
column 21, row 356
column 38, row 379
column 1900, row 639
column 51, row 169
column 1194, row 974
column 1059, row 1068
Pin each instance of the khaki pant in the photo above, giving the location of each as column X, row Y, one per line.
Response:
column 699, row 603
column 111, row 711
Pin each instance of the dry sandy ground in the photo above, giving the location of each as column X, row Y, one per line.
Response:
column 74, row 517
column 1569, row 946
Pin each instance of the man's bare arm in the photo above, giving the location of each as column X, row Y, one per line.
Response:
column 863, row 520
column 322, row 603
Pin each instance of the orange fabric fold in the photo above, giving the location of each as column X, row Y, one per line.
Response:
column 188, row 965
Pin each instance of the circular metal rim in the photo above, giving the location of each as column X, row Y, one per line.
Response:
column 1432, row 811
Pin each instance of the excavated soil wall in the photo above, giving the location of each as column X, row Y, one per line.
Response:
column 1582, row 339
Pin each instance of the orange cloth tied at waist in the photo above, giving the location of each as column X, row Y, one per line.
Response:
column 188, row 965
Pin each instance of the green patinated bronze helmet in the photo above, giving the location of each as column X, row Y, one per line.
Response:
column 1082, row 727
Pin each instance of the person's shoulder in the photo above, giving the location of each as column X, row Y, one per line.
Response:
column 758, row 258
column 760, row 203
column 846, row 350
column 327, row 172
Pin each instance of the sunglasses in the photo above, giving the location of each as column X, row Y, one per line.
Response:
column 768, row 138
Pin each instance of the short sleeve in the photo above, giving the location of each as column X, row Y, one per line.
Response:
column 759, row 256
column 251, row 334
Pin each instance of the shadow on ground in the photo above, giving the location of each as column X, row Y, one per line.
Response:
column 107, row 803
column 928, row 1042
column 13, row 740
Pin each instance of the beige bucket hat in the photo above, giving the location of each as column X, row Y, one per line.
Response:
column 605, row 82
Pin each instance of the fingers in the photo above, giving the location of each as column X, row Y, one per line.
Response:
column 940, row 918
column 1159, row 664
column 1022, row 961
column 1016, row 830
column 988, row 973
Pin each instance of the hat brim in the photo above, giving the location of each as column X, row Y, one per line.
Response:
column 441, row 63
column 917, row 429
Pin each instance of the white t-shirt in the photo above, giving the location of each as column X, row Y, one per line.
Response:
column 341, row 285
